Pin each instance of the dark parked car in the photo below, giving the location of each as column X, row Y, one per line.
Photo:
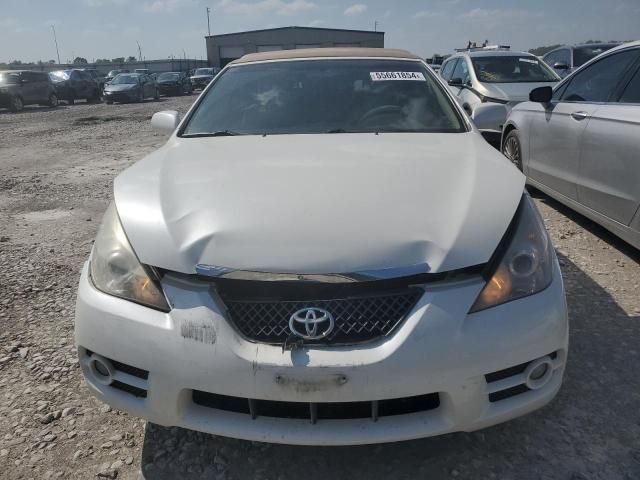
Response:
column 131, row 87
column 201, row 77
column 114, row 73
column 566, row 59
column 24, row 87
column 72, row 85
column 174, row 83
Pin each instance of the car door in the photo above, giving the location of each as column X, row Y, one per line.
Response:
column 556, row 129
column 149, row 86
column 609, row 179
column 41, row 87
column 26, row 87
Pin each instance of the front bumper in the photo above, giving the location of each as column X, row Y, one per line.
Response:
column 439, row 348
column 169, row 89
column 124, row 96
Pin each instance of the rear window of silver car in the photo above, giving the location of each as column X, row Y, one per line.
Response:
column 512, row 69
column 320, row 96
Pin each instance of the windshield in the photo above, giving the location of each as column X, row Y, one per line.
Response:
column 125, row 79
column 59, row 76
column 582, row 55
column 9, row 78
column 512, row 69
column 325, row 96
column 168, row 76
column 203, row 71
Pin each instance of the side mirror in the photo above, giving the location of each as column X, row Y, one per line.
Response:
column 166, row 121
column 560, row 66
column 456, row 82
column 489, row 116
column 541, row 95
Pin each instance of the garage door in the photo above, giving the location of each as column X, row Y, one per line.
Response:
column 231, row 52
column 269, row 48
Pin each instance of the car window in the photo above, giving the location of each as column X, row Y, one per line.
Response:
column 564, row 56
column 462, row 71
column 598, row 81
column 321, row 96
column 582, row 55
column 631, row 93
column 447, row 68
column 512, row 69
column 550, row 58
column 9, row 78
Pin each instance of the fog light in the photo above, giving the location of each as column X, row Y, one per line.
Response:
column 539, row 372
column 102, row 369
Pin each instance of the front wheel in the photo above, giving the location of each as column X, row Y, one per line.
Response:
column 512, row 150
column 53, row 100
column 16, row 104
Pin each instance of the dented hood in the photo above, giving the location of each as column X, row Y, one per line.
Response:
column 333, row 203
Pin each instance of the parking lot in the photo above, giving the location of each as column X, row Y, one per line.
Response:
column 56, row 172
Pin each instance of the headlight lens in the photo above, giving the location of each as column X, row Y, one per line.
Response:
column 525, row 266
column 116, row 270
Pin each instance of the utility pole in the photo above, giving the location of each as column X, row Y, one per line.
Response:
column 55, row 39
column 139, row 51
column 375, row 26
column 208, row 22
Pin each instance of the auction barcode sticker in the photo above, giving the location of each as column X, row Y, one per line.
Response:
column 382, row 76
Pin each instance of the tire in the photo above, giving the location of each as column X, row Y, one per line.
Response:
column 16, row 104
column 511, row 148
column 53, row 100
column 109, row 102
column 140, row 97
column 156, row 96
column 97, row 97
column 71, row 98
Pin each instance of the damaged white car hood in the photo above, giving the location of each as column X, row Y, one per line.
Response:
column 333, row 203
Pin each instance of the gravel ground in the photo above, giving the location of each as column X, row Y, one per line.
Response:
column 56, row 173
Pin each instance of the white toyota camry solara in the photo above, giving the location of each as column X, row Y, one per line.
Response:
column 324, row 252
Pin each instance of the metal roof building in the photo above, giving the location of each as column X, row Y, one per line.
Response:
column 222, row 49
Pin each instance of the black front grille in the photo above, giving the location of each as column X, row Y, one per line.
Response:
column 318, row 411
column 357, row 319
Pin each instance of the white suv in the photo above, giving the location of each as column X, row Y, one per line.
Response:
column 489, row 76
column 326, row 251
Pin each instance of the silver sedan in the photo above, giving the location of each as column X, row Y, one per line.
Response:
column 580, row 141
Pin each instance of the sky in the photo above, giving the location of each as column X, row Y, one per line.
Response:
column 110, row 28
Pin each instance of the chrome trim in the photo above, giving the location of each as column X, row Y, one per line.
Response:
column 359, row 276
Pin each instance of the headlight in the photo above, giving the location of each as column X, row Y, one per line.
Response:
column 524, row 265
column 116, row 270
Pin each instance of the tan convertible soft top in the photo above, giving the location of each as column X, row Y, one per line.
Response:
column 325, row 52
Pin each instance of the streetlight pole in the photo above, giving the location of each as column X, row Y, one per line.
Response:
column 55, row 39
column 208, row 21
column 139, row 51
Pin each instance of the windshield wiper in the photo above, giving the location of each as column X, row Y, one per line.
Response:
column 219, row 133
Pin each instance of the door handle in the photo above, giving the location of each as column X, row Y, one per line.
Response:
column 579, row 115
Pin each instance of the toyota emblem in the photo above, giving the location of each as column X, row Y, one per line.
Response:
column 311, row 323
